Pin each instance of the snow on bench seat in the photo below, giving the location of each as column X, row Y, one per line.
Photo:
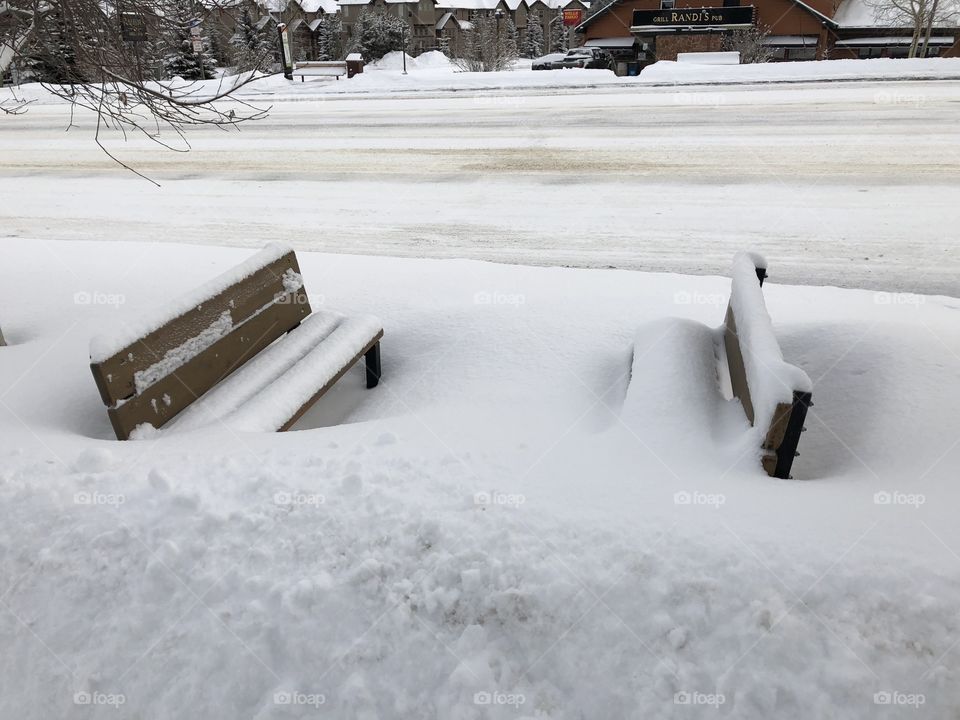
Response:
column 270, row 391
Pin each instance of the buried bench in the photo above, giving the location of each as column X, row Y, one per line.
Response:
column 216, row 355
column 316, row 68
column 775, row 394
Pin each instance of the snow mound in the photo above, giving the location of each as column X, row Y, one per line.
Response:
column 875, row 68
column 433, row 60
column 674, row 402
column 374, row 585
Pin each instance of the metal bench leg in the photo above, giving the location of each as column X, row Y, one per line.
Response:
column 372, row 360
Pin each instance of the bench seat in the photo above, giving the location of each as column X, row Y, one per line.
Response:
column 273, row 390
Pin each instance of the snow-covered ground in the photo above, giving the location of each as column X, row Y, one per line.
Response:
column 848, row 184
column 508, row 527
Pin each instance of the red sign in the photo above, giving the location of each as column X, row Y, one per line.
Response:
column 572, row 17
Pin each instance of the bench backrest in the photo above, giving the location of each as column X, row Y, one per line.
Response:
column 320, row 68
column 154, row 369
column 775, row 395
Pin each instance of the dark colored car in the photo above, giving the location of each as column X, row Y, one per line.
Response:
column 548, row 62
column 587, row 57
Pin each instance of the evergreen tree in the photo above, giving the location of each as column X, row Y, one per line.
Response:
column 181, row 60
column 559, row 38
column 52, row 57
column 377, row 33
column 533, row 38
column 250, row 44
column 330, row 37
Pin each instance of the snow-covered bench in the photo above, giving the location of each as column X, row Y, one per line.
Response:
column 179, row 358
column 775, row 395
column 320, row 68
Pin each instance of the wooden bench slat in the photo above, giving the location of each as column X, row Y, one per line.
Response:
column 115, row 376
column 281, row 403
column 227, row 397
column 173, row 393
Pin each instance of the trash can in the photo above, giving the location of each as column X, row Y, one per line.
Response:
column 354, row 64
column 633, row 69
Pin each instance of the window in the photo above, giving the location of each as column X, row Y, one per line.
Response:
column 667, row 4
column 731, row 3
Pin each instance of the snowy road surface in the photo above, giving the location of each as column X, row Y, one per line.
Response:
column 849, row 184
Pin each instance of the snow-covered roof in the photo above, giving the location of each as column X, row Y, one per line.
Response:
column 448, row 16
column 294, row 24
column 612, row 42
column 890, row 40
column 791, row 40
column 857, row 13
column 467, row 4
column 866, row 14
column 312, row 6
column 556, row 4
column 264, row 21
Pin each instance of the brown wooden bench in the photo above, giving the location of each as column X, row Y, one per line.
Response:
column 216, row 355
column 771, row 391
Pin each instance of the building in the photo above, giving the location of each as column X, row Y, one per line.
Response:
column 644, row 31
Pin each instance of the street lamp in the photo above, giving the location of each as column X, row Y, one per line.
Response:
column 403, row 40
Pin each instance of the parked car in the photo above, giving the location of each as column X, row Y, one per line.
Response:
column 548, row 62
column 587, row 57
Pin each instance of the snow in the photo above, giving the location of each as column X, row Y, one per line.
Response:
column 538, row 513
column 393, row 61
column 269, row 389
column 549, row 507
column 181, row 354
column 770, row 380
column 709, row 58
column 680, row 179
column 133, row 327
column 666, row 70
column 329, row 7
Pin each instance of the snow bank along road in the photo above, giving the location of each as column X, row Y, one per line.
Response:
column 851, row 184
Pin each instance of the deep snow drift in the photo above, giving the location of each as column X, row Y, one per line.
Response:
column 508, row 527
